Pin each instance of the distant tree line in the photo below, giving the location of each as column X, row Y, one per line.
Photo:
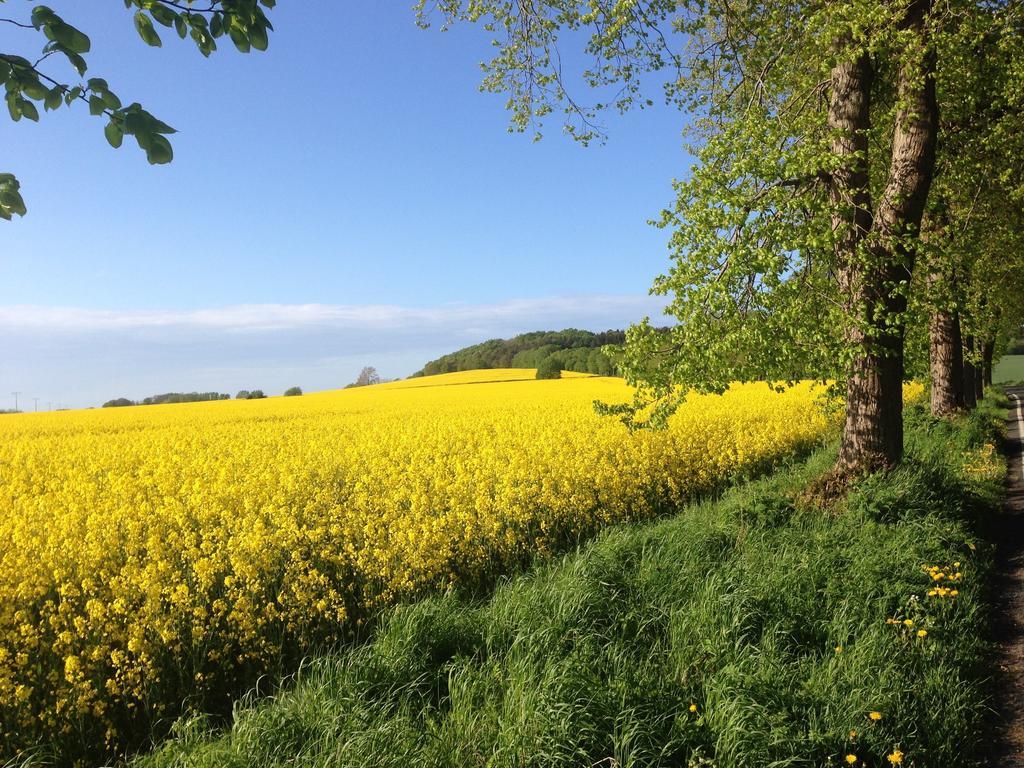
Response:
column 570, row 350
column 168, row 397
column 196, row 397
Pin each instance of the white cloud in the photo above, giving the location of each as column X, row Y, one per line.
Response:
column 260, row 318
column 85, row 356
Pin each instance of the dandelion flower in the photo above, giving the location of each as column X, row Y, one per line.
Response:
column 875, row 715
column 851, row 759
column 895, row 757
column 693, row 707
column 908, row 622
column 922, row 633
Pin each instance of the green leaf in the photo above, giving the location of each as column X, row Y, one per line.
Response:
column 163, row 14
column 96, row 105
column 54, row 98
column 42, row 15
column 180, row 27
column 70, row 37
column 28, row 109
column 138, row 121
column 10, row 197
column 159, row 151
column 239, row 38
column 76, row 61
column 144, row 27
column 258, row 37
column 114, row 134
column 35, row 89
column 204, row 41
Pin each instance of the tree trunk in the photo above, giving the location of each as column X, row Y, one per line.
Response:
column 988, row 352
column 979, row 378
column 874, row 262
column 946, row 355
column 970, row 392
column 866, row 429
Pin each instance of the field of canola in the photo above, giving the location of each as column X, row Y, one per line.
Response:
column 161, row 554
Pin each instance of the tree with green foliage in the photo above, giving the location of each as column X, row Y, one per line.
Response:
column 816, row 129
column 119, row 402
column 293, row 392
column 31, row 86
column 970, row 249
column 550, row 368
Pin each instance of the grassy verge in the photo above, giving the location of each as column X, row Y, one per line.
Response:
column 755, row 630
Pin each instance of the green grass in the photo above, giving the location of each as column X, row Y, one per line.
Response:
column 736, row 606
column 1009, row 369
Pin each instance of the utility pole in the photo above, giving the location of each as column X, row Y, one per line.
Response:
column 35, row 401
column 15, row 400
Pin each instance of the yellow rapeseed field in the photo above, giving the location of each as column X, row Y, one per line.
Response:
column 159, row 554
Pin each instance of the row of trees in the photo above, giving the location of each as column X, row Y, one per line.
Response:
column 168, row 397
column 196, row 397
column 855, row 209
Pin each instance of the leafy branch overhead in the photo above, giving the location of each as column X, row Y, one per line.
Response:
column 31, row 86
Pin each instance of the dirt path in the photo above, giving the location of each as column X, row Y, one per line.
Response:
column 1009, row 532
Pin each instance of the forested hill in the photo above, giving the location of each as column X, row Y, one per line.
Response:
column 575, row 350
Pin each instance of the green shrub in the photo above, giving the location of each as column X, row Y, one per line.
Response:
column 549, row 368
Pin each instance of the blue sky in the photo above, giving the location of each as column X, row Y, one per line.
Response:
column 347, row 198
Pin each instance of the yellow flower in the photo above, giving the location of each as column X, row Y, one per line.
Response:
column 922, row 633
column 875, row 715
column 895, row 757
column 851, row 759
column 260, row 525
column 693, row 707
column 853, row 734
column 908, row 622
column 839, row 649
